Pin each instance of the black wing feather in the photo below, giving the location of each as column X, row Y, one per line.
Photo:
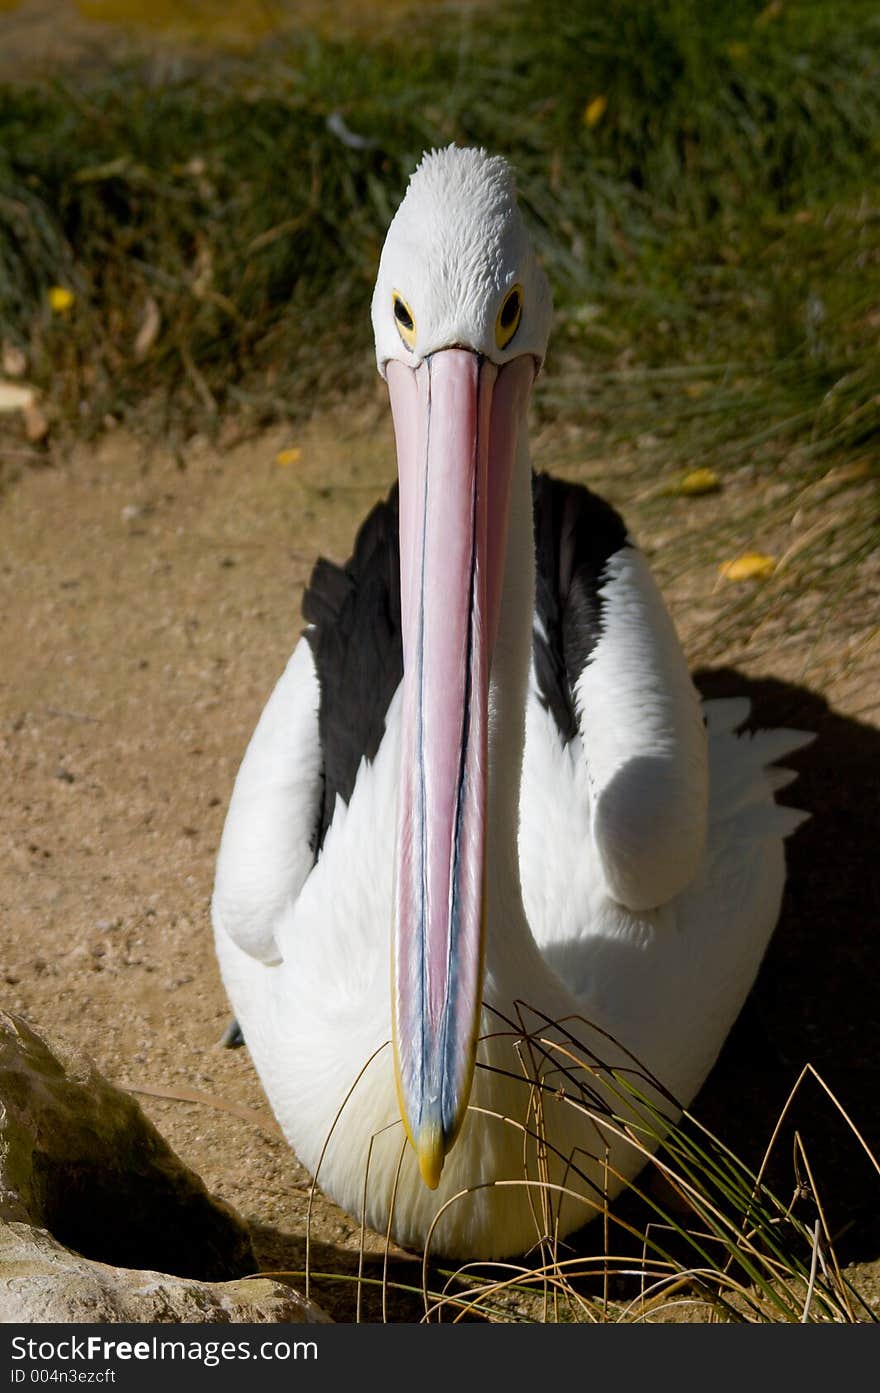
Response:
column 576, row 532
column 353, row 613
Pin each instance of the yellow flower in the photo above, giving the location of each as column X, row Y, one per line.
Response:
column 594, row 111
column 752, row 565
column 286, row 457
column 60, row 299
column 699, row 481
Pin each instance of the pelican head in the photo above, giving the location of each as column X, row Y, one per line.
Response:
column 461, row 314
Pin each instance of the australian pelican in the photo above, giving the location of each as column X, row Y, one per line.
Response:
column 484, row 798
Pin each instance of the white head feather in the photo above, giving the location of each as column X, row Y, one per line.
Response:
column 455, row 247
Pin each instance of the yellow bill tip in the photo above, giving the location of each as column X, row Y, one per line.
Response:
column 431, row 1151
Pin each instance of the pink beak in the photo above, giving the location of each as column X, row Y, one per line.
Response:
column 456, row 420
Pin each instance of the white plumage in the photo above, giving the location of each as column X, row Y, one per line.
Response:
column 633, row 872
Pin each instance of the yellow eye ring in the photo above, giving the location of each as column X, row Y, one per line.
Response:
column 509, row 316
column 404, row 319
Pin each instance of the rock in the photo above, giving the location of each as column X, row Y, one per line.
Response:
column 79, row 1158
column 92, row 1199
column 43, row 1281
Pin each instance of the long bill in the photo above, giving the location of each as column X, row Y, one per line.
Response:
column 456, row 418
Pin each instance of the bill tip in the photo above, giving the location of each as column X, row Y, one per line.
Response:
column 431, row 1151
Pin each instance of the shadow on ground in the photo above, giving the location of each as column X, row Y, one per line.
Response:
column 335, row 1273
column 816, row 999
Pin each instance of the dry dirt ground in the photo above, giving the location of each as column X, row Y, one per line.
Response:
column 148, row 603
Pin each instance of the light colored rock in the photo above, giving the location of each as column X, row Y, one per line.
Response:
column 79, row 1158
column 40, row 1281
column 92, row 1199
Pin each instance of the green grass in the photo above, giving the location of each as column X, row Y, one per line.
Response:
column 722, row 211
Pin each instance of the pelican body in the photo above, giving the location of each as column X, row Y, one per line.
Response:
column 493, row 883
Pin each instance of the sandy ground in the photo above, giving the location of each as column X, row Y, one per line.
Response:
column 147, row 604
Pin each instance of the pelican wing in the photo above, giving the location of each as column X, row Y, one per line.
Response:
column 325, row 715
column 609, row 666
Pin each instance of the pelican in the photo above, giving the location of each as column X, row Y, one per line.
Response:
column 487, row 851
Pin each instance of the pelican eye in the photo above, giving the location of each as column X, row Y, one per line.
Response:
column 404, row 319
column 509, row 316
